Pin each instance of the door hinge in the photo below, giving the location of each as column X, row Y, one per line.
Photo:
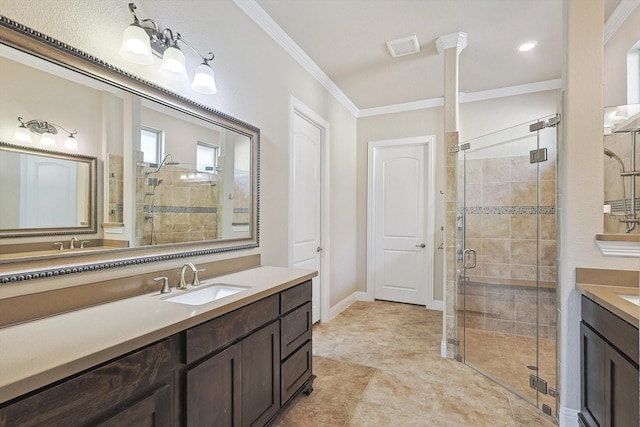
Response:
column 553, row 121
column 461, row 147
column 453, row 341
column 537, row 156
column 538, row 383
column 546, row 409
column 537, row 126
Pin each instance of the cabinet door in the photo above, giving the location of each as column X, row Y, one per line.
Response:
column 593, row 379
column 621, row 390
column 152, row 411
column 214, row 390
column 261, row 375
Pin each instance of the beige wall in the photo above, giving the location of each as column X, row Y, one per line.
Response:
column 255, row 80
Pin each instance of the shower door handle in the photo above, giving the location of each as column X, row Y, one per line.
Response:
column 469, row 259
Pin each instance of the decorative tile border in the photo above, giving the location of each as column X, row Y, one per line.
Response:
column 180, row 209
column 510, row 210
column 618, row 206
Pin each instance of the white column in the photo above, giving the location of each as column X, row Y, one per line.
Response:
column 451, row 45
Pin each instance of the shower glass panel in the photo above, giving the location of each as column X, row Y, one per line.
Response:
column 506, row 263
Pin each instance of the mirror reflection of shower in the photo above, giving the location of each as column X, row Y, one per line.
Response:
column 152, row 185
column 627, row 212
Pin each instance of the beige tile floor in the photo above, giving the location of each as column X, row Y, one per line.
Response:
column 378, row 364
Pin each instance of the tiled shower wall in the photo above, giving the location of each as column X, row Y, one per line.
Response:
column 180, row 211
column 502, row 215
column 620, row 144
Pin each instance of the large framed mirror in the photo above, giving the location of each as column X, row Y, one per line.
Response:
column 167, row 177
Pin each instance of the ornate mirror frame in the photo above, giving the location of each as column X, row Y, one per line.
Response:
column 27, row 40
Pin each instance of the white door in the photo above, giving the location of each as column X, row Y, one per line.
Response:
column 306, row 248
column 48, row 192
column 401, row 255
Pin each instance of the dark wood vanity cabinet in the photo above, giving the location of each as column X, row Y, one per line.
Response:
column 243, row 367
column 609, row 369
column 136, row 389
column 238, row 369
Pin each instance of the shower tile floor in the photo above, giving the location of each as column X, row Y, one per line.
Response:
column 378, row 364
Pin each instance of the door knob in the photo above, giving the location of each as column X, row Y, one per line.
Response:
column 319, row 249
column 421, row 245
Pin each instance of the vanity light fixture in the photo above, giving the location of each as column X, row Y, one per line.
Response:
column 144, row 38
column 47, row 132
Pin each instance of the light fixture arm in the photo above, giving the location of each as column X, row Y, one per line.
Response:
column 204, row 58
column 163, row 39
column 40, row 127
column 71, row 133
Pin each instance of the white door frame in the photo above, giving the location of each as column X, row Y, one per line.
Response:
column 297, row 107
column 430, row 149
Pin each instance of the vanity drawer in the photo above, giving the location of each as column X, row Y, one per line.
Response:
column 295, row 330
column 106, row 391
column 215, row 334
column 295, row 297
column 295, row 371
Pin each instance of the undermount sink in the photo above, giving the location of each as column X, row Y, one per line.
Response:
column 632, row 299
column 205, row 294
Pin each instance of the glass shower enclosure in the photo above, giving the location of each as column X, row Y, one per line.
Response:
column 506, row 258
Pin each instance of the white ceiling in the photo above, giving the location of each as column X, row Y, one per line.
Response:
column 346, row 39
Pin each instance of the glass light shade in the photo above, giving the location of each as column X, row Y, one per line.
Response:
column 173, row 65
column 204, row 80
column 48, row 139
column 136, row 46
column 22, row 134
column 71, row 143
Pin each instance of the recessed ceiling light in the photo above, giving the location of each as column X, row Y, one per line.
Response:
column 527, row 46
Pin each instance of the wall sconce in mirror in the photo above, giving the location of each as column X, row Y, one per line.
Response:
column 144, row 38
column 47, row 132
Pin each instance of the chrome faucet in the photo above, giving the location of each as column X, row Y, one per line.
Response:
column 195, row 270
column 73, row 239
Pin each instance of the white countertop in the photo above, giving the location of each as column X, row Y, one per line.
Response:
column 39, row 352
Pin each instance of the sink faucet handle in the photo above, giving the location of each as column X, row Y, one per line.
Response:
column 82, row 246
column 196, row 279
column 165, row 284
column 59, row 245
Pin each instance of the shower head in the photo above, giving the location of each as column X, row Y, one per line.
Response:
column 615, row 157
column 167, row 161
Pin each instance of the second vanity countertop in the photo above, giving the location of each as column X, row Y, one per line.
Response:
column 607, row 288
column 43, row 351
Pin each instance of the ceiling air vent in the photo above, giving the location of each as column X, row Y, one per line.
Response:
column 403, row 46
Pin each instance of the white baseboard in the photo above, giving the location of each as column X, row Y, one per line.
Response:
column 437, row 305
column 568, row 417
column 345, row 303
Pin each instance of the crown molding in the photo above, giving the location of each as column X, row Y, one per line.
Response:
column 398, row 108
column 464, row 98
column 264, row 21
column 448, row 41
column 457, row 40
column 618, row 17
column 503, row 92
